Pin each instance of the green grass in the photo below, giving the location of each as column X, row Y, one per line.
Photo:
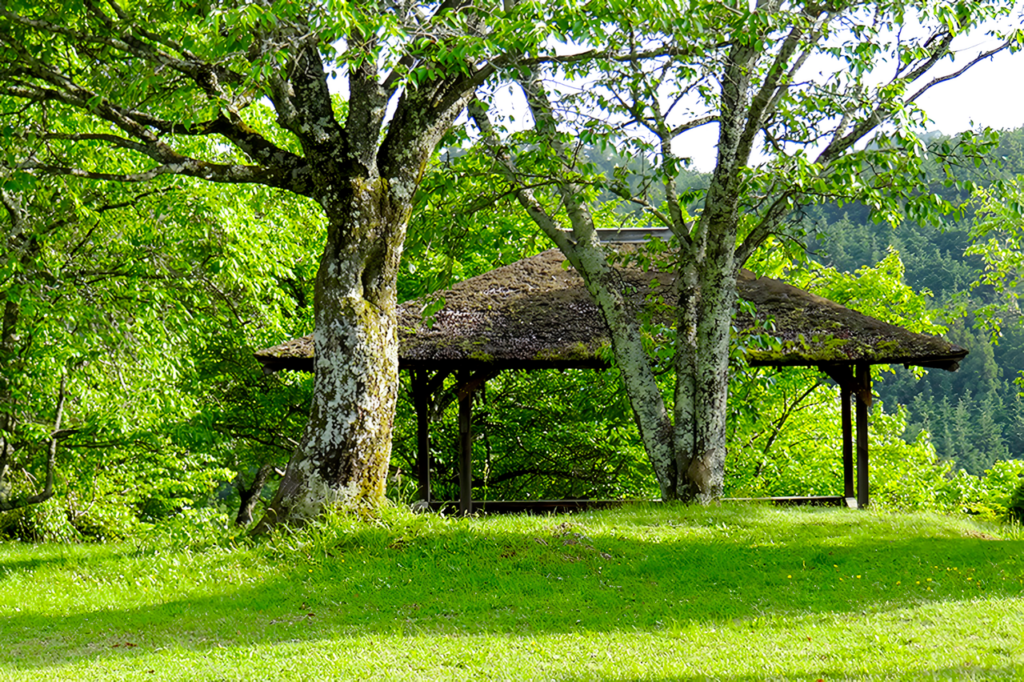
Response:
column 671, row 592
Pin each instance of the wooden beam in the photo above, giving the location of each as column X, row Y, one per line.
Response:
column 629, row 235
column 794, row 500
column 471, row 384
column 437, row 381
column 843, row 376
column 466, row 385
column 424, row 386
column 863, row 393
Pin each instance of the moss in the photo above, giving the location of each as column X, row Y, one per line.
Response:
column 537, row 310
column 579, row 351
column 891, row 348
column 816, row 349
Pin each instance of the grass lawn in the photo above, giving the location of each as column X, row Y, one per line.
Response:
column 736, row 592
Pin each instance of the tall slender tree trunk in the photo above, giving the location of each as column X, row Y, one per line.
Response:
column 619, row 312
column 684, row 408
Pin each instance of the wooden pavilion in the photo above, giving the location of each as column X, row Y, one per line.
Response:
column 537, row 314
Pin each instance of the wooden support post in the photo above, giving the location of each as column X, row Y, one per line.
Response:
column 843, row 376
column 465, row 446
column 466, row 386
column 863, row 392
column 844, row 395
column 421, row 403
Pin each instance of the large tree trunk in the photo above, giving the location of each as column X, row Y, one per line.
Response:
column 366, row 189
column 687, row 451
column 606, row 287
column 685, row 397
column 706, row 470
column 706, row 301
column 343, row 456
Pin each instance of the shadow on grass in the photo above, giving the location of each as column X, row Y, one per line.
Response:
column 33, row 557
column 639, row 572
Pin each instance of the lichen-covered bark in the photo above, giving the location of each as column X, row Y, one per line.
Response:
column 603, row 282
column 364, row 177
column 706, row 470
column 345, row 449
column 708, row 297
column 686, row 450
column 685, row 394
column 706, row 302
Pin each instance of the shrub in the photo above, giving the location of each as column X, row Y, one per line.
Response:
column 1015, row 505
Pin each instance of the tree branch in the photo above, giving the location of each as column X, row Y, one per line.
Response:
column 767, row 95
column 507, row 168
column 221, row 173
column 956, row 74
column 142, row 129
column 880, row 114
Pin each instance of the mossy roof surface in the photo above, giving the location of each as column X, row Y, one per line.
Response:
column 537, row 313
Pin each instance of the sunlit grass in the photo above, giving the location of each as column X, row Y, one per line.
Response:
column 650, row 592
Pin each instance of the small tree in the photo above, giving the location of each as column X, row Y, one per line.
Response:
column 67, row 266
column 998, row 234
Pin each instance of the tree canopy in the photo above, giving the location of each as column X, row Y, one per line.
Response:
column 787, row 139
column 149, row 83
column 119, row 119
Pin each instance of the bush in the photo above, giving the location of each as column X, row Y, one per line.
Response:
column 1015, row 505
column 988, row 496
column 44, row 522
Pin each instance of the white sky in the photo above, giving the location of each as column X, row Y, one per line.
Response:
column 989, row 94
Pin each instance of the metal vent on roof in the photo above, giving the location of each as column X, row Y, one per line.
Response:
column 632, row 235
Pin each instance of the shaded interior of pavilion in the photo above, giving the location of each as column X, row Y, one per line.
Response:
column 536, row 314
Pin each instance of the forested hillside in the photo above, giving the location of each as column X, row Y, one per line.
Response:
column 975, row 416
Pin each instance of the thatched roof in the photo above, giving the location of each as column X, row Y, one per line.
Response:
column 537, row 313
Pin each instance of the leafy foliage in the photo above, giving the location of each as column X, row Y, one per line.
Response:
column 107, row 295
column 126, row 390
column 973, row 416
column 851, row 134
